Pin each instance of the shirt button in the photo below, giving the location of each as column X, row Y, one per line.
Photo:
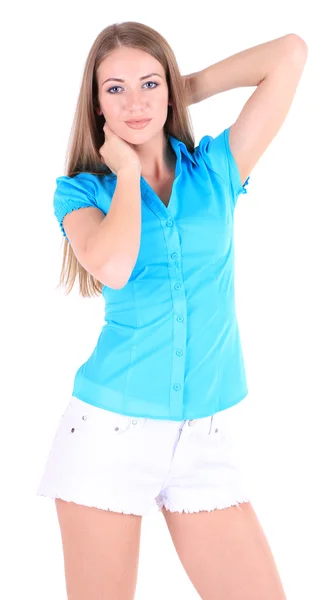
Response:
column 179, row 352
column 177, row 286
column 176, row 386
column 180, row 319
column 169, row 223
column 174, row 255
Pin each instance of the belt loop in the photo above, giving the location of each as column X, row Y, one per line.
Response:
column 211, row 422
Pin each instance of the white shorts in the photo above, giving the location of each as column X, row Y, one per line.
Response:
column 137, row 465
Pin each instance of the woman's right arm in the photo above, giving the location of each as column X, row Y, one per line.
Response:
column 107, row 246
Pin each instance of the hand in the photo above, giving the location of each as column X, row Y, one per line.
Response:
column 116, row 153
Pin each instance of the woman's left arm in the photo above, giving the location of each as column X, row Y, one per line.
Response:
column 275, row 67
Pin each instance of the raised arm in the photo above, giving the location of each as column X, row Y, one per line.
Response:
column 275, row 67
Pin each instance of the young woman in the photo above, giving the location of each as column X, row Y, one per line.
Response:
column 151, row 418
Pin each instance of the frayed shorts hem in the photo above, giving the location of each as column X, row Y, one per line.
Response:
column 119, row 508
column 146, row 510
column 209, row 507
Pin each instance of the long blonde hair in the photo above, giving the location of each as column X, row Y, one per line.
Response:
column 87, row 134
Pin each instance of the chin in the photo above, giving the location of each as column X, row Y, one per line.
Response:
column 137, row 137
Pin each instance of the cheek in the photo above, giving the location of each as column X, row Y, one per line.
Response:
column 160, row 105
column 112, row 113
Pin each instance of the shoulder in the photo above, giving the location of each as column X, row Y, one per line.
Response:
column 213, row 145
column 216, row 153
column 82, row 182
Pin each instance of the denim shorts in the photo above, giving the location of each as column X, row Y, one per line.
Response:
column 138, row 465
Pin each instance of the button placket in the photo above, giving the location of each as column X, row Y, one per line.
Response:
column 179, row 307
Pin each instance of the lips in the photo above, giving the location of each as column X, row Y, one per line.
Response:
column 137, row 121
column 138, row 125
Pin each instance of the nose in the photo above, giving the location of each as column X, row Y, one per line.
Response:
column 133, row 100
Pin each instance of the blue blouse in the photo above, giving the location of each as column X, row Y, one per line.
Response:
column 170, row 346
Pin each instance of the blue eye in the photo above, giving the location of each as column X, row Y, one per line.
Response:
column 147, row 82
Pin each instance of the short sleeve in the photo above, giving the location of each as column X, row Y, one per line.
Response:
column 216, row 153
column 73, row 193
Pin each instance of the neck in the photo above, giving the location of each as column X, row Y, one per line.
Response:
column 162, row 166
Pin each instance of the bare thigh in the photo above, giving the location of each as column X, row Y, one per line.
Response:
column 101, row 552
column 225, row 554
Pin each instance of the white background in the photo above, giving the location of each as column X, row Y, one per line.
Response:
column 285, row 285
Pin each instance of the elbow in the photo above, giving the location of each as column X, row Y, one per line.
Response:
column 119, row 285
column 114, row 278
column 114, row 284
column 297, row 44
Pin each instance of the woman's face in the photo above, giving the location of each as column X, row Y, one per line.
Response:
column 132, row 98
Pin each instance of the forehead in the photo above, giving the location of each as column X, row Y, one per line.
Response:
column 128, row 63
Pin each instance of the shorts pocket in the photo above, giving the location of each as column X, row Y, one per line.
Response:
column 221, row 425
column 81, row 416
column 226, row 433
column 230, row 421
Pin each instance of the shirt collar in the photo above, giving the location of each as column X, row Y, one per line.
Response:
column 179, row 146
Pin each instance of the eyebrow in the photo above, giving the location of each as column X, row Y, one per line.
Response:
column 123, row 81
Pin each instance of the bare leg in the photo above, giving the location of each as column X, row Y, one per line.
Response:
column 225, row 554
column 101, row 552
